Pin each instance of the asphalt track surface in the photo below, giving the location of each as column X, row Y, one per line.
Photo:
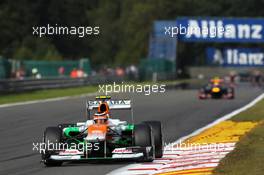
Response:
column 179, row 111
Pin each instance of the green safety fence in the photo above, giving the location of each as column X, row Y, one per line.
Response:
column 161, row 66
column 50, row 68
column 44, row 68
column 5, row 68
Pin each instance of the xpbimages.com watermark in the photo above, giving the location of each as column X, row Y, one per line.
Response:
column 197, row 147
column 80, row 31
column 84, row 147
column 49, row 146
column 147, row 89
column 195, row 30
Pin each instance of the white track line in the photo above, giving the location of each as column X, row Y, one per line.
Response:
column 125, row 170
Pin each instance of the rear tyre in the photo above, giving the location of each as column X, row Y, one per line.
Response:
column 52, row 138
column 233, row 93
column 157, row 134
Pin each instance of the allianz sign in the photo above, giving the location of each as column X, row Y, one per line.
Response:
column 221, row 29
column 236, row 57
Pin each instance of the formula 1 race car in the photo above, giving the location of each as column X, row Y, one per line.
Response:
column 216, row 89
column 102, row 138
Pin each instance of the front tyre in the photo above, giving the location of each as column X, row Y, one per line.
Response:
column 157, row 133
column 143, row 138
column 51, row 138
column 142, row 135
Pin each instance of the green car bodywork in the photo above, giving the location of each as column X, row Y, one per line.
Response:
column 73, row 134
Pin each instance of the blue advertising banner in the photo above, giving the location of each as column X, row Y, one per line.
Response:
column 209, row 29
column 235, row 57
column 161, row 46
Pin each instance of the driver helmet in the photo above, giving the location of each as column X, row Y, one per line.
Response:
column 102, row 115
column 216, row 80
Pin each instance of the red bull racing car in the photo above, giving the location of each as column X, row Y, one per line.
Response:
column 216, row 89
column 101, row 137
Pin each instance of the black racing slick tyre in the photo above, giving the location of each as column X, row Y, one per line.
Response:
column 157, row 133
column 144, row 138
column 142, row 135
column 51, row 138
column 232, row 92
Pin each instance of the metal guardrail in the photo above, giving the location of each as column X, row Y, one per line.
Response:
column 12, row 85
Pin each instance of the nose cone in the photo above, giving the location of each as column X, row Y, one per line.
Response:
column 97, row 132
column 216, row 89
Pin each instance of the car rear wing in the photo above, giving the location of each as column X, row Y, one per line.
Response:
column 113, row 104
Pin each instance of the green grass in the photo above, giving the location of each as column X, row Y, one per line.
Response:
column 46, row 94
column 255, row 113
column 248, row 156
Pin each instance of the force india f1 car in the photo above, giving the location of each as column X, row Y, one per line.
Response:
column 216, row 89
column 102, row 138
